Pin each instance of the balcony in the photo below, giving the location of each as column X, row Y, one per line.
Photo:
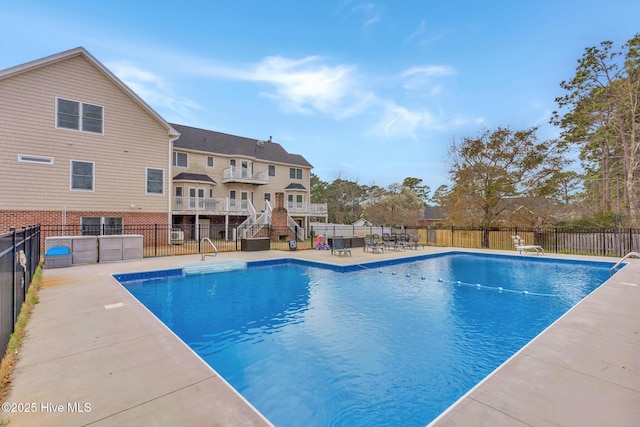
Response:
column 205, row 206
column 244, row 175
column 307, row 209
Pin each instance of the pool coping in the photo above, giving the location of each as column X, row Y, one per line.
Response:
column 133, row 370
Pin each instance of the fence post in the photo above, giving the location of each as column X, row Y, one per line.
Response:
column 452, row 236
column 155, row 239
column 13, row 276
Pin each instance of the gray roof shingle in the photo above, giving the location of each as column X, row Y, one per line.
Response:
column 185, row 176
column 221, row 143
column 294, row 186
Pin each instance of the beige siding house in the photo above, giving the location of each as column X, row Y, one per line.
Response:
column 79, row 147
column 222, row 181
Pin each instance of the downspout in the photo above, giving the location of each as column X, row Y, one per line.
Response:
column 170, row 186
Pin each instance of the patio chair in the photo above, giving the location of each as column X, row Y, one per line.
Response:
column 370, row 243
column 390, row 242
column 338, row 246
column 404, row 240
column 520, row 246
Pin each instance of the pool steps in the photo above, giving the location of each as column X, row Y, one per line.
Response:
column 217, row 266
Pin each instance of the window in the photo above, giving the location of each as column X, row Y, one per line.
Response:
column 211, row 193
column 79, row 116
column 267, row 197
column 96, row 226
column 210, row 161
column 232, row 162
column 82, row 175
column 178, row 191
column 155, row 181
column 232, row 194
column 180, row 159
column 272, row 170
column 295, row 173
column 27, row 158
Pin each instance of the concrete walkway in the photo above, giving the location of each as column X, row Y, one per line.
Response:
column 95, row 356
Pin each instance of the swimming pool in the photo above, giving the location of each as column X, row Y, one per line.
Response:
column 389, row 343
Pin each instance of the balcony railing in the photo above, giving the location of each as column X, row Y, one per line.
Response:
column 236, row 174
column 305, row 208
column 212, row 206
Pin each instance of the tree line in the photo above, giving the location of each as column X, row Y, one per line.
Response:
column 506, row 177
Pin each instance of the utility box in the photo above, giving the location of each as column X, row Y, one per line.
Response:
column 132, row 246
column 109, row 248
column 85, row 249
column 120, row 247
column 255, row 244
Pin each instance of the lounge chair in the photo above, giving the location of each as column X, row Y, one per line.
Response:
column 370, row 243
column 406, row 241
column 521, row 247
column 338, row 246
column 389, row 242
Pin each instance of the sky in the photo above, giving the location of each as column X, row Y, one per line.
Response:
column 370, row 91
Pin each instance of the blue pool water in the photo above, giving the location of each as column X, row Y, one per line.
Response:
column 381, row 344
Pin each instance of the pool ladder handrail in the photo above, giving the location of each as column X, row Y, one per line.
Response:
column 630, row 254
column 211, row 254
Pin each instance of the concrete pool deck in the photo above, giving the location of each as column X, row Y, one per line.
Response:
column 95, row 356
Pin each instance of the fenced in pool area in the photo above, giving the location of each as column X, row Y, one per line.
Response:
column 91, row 340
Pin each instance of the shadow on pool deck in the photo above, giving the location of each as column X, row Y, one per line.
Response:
column 95, row 356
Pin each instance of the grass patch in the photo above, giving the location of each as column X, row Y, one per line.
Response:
column 8, row 364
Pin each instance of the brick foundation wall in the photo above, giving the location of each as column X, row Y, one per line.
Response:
column 24, row 218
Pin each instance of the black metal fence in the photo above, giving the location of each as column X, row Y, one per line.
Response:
column 161, row 240
column 19, row 258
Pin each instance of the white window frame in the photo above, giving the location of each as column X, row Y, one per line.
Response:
column 213, row 162
column 81, row 107
column 175, row 159
column 40, row 160
column 270, row 168
column 146, row 182
column 93, row 176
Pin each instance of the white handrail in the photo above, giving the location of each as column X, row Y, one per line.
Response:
column 215, row 250
column 630, row 254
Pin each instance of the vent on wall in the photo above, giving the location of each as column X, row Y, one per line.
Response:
column 28, row 158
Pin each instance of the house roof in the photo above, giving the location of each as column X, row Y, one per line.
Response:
column 435, row 213
column 221, row 143
column 293, row 186
column 80, row 51
column 199, row 177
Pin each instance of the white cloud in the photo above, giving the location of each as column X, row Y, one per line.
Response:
column 429, row 71
column 400, row 122
column 152, row 88
column 306, row 82
column 422, row 78
column 300, row 85
column 419, row 31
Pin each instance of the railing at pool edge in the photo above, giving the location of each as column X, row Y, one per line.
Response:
column 211, row 254
column 630, row 254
